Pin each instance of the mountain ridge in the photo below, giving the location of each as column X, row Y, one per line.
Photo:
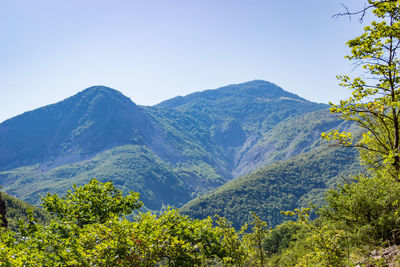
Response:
column 255, row 88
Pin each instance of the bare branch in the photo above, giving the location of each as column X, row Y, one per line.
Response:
column 349, row 14
column 361, row 13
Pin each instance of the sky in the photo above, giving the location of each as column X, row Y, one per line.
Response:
column 153, row 50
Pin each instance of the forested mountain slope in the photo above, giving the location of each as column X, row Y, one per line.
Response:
column 281, row 186
column 241, row 115
column 170, row 153
column 17, row 209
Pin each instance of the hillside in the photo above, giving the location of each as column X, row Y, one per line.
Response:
column 282, row 186
column 18, row 209
column 170, row 153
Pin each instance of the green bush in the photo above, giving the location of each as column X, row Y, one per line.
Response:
column 367, row 208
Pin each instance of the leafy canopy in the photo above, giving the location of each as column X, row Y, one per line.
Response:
column 88, row 230
column 93, row 202
column 375, row 101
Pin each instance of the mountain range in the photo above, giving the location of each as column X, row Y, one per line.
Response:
column 180, row 150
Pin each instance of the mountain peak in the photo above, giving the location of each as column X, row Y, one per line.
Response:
column 100, row 90
column 87, row 122
column 258, row 82
column 99, row 97
column 256, row 89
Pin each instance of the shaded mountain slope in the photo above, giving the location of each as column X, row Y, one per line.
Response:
column 130, row 167
column 281, row 186
column 71, row 130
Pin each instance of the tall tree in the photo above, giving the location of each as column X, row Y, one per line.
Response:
column 374, row 104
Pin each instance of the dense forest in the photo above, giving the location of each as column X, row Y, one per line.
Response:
column 281, row 186
column 356, row 224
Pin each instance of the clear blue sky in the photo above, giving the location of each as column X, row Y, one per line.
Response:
column 152, row 50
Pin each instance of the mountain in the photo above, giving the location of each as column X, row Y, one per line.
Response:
column 71, row 130
column 282, row 186
column 98, row 133
column 240, row 117
column 253, row 106
column 170, row 153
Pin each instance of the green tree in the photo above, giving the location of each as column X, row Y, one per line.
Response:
column 375, row 101
column 231, row 241
column 89, row 230
column 94, row 202
column 326, row 246
column 255, row 240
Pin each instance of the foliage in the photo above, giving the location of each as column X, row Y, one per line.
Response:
column 368, row 209
column 94, row 202
column 363, row 213
column 231, row 241
column 374, row 104
column 326, row 246
column 280, row 238
column 103, row 238
column 359, row 216
column 254, row 241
